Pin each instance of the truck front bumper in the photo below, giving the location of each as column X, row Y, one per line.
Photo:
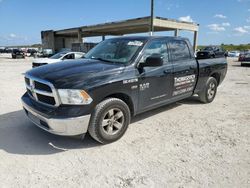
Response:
column 69, row 126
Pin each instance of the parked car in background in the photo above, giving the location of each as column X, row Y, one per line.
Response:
column 17, row 53
column 243, row 54
column 61, row 56
column 44, row 53
column 2, row 49
column 245, row 59
column 31, row 52
column 210, row 52
column 233, row 54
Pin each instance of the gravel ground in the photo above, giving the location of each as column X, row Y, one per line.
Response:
column 186, row 144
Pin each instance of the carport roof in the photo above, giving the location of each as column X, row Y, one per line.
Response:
column 137, row 25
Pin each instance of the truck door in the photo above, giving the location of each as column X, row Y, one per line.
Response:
column 155, row 83
column 185, row 68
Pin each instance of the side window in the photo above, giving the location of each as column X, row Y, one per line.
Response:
column 69, row 56
column 155, row 47
column 179, row 50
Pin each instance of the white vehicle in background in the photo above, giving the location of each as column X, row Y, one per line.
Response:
column 59, row 57
column 233, row 54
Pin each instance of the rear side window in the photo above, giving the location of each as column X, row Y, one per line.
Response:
column 179, row 50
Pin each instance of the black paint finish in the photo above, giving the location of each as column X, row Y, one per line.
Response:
column 151, row 86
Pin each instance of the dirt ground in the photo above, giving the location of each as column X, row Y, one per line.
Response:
column 186, row 144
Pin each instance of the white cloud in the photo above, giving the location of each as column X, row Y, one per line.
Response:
column 240, row 30
column 12, row 35
column 248, row 20
column 220, row 16
column 216, row 27
column 246, row 27
column 186, row 19
column 226, row 24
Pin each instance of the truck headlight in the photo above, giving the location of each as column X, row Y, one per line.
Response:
column 73, row 96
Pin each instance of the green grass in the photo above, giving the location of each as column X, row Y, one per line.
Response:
column 231, row 47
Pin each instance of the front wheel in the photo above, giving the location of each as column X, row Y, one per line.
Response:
column 109, row 121
column 210, row 90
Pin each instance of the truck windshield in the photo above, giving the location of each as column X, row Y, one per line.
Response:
column 115, row 50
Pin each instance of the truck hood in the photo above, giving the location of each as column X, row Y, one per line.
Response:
column 77, row 74
column 46, row 60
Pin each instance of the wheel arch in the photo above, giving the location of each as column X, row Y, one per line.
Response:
column 216, row 75
column 125, row 98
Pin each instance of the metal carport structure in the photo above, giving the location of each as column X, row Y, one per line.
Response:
column 56, row 39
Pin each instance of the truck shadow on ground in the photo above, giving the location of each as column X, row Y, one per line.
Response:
column 19, row 136
column 241, row 65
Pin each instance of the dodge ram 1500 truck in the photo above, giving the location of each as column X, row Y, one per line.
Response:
column 118, row 79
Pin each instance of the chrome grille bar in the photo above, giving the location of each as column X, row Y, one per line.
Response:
column 46, row 93
column 34, row 92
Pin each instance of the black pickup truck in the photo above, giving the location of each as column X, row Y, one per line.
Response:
column 118, row 79
column 211, row 52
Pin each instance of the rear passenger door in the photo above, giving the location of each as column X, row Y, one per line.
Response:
column 185, row 68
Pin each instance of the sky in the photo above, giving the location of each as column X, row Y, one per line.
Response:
column 221, row 21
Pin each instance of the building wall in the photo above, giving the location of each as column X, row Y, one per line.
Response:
column 48, row 40
column 64, row 42
column 56, row 43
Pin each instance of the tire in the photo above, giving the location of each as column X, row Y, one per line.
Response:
column 109, row 121
column 210, row 90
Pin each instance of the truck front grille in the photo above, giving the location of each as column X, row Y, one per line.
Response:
column 42, row 86
column 41, row 91
column 46, row 99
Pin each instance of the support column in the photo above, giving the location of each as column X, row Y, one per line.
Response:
column 176, row 33
column 151, row 31
column 195, row 40
column 79, row 36
column 103, row 37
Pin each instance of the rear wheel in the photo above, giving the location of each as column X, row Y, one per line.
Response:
column 209, row 92
column 109, row 120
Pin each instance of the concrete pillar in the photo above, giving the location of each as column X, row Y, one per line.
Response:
column 79, row 36
column 176, row 33
column 195, row 40
column 48, row 39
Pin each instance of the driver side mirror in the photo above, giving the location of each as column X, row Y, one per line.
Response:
column 155, row 60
